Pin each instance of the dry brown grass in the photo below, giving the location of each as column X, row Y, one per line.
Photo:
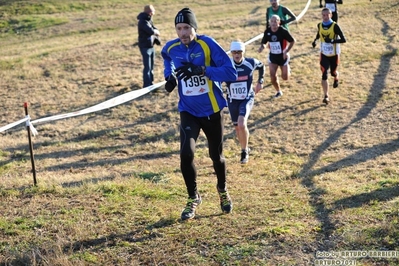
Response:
column 109, row 188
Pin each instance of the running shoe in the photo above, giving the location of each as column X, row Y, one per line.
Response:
column 244, row 156
column 278, row 94
column 225, row 201
column 189, row 210
column 326, row 100
column 335, row 85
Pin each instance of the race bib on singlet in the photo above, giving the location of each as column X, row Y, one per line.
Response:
column 327, row 48
column 195, row 86
column 331, row 7
column 238, row 90
column 275, row 48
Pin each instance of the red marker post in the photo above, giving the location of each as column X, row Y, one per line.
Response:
column 32, row 159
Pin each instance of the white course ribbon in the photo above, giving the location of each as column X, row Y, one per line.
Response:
column 29, row 124
column 104, row 105
column 13, row 124
column 101, row 106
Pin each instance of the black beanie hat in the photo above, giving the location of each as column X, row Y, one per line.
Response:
column 186, row 16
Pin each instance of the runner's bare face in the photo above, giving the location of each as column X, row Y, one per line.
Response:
column 274, row 23
column 185, row 32
column 274, row 3
column 326, row 15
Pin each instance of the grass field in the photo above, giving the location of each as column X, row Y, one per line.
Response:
column 321, row 179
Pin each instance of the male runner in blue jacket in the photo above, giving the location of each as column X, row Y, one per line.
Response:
column 198, row 65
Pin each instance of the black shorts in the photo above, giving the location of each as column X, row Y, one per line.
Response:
column 278, row 59
column 240, row 107
column 328, row 62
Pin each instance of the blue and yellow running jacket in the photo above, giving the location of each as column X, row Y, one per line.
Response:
column 201, row 96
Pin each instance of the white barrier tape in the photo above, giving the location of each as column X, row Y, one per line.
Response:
column 13, row 124
column 107, row 104
column 104, row 105
column 29, row 124
column 304, row 10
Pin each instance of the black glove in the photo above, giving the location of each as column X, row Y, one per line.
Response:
column 314, row 44
column 321, row 5
column 171, row 83
column 328, row 40
column 157, row 40
column 188, row 70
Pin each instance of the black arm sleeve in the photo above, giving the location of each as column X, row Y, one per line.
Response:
column 318, row 33
column 264, row 38
column 288, row 12
column 338, row 31
column 261, row 69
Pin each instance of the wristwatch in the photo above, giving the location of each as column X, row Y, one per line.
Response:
column 260, row 81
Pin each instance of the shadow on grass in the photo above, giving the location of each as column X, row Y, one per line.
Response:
column 359, row 157
column 255, row 9
column 356, row 201
column 316, row 194
column 91, row 180
column 140, row 235
column 112, row 240
column 260, row 123
column 137, row 236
